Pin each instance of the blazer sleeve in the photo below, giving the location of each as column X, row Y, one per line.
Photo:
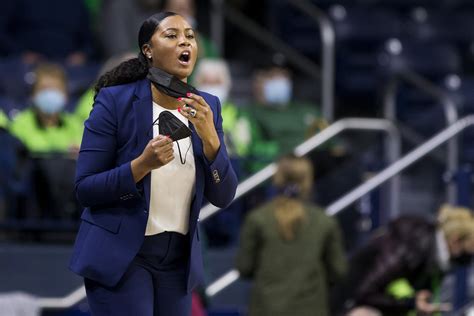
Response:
column 98, row 178
column 220, row 179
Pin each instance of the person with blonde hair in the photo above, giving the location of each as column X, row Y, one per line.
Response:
column 400, row 269
column 290, row 248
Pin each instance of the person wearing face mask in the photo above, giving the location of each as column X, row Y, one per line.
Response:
column 283, row 123
column 45, row 127
column 213, row 76
column 152, row 152
column 52, row 138
column 400, row 269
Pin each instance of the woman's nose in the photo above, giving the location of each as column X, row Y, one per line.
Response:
column 184, row 41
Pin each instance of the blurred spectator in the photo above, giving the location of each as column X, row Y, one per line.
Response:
column 121, row 19
column 14, row 173
column 3, row 120
column 213, row 76
column 283, row 122
column 50, row 29
column 290, row 248
column 187, row 9
column 52, row 138
column 84, row 104
column 44, row 128
column 364, row 311
column 3, row 160
column 401, row 267
column 120, row 22
column 197, row 308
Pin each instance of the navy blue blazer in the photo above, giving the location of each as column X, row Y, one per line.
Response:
column 116, row 208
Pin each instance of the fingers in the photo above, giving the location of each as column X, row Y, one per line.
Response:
column 187, row 113
column 162, row 148
column 197, row 102
column 167, row 158
column 445, row 307
column 161, row 141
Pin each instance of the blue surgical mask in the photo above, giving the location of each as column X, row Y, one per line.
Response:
column 219, row 90
column 50, row 101
column 277, row 91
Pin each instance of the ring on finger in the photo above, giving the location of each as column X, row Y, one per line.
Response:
column 193, row 112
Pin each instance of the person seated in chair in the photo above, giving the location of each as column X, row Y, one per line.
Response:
column 52, row 138
column 403, row 264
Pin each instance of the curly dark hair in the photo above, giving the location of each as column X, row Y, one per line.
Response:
column 136, row 68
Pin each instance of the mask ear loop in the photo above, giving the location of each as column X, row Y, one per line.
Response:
column 155, row 122
column 177, row 142
column 185, row 155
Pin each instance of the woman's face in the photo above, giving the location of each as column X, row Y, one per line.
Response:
column 173, row 47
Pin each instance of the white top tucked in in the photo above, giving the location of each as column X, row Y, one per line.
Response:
column 172, row 186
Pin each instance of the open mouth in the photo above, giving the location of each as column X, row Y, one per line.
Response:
column 184, row 57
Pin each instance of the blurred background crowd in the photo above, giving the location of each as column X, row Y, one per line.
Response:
column 284, row 71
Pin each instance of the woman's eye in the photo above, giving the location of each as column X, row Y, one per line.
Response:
column 171, row 36
column 190, row 36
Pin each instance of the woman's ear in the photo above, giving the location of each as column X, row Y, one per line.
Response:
column 147, row 51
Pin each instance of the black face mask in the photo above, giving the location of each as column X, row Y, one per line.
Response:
column 169, row 84
column 463, row 259
column 171, row 126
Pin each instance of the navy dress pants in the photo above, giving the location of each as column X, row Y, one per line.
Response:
column 153, row 285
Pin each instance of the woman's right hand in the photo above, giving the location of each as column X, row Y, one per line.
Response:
column 425, row 307
column 157, row 153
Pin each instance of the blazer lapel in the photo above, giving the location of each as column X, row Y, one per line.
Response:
column 143, row 111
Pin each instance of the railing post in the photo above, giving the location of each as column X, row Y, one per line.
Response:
column 463, row 183
column 450, row 113
column 217, row 25
column 452, row 150
column 328, row 40
column 389, row 100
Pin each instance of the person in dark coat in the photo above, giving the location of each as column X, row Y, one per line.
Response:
column 290, row 248
column 412, row 250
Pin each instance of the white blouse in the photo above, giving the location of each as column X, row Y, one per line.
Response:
column 172, row 186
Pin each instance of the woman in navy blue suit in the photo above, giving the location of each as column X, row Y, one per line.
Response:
column 152, row 150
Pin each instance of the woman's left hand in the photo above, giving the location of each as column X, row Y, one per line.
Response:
column 203, row 121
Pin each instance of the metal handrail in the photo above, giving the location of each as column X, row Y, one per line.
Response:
column 217, row 25
column 449, row 107
column 317, row 140
column 63, row 302
column 324, row 73
column 328, row 40
column 393, row 152
column 467, row 310
column 349, row 198
column 267, row 38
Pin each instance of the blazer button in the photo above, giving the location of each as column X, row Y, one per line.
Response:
column 215, row 174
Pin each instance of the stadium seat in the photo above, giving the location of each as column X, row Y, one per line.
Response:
column 431, row 59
